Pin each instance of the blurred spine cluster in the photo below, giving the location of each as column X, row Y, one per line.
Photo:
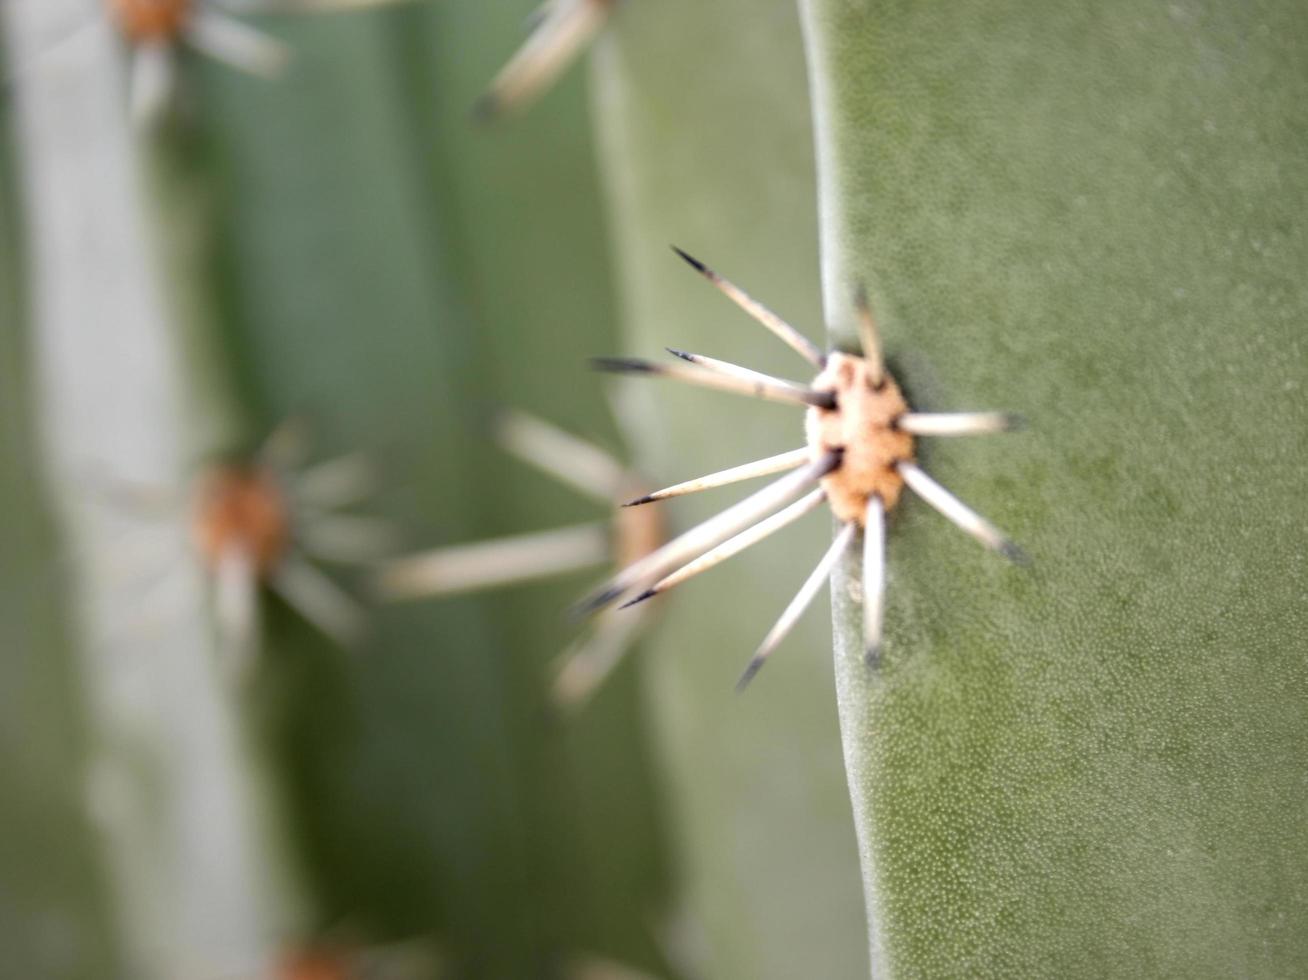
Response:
column 169, row 530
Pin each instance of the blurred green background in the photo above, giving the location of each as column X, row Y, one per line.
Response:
column 345, row 246
column 350, row 249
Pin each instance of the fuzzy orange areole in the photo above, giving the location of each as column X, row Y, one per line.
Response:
column 863, row 426
column 150, row 20
column 314, row 964
column 242, row 507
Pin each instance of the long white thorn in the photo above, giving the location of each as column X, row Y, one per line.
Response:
column 132, row 498
column 874, row 578
column 759, row 386
column 236, row 610
column 958, row 423
column 792, row 337
column 585, row 666
column 719, row 366
column 746, row 471
column 152, row 81
column 735, row 545
column 803, row 599
column 348, row 538
column 959, row 513
column 824, row 399
column 869, row 338
column 537, row 15
column 335, row 483
column 237, row 45
column 708, row 534
column 567, row 458
column 500, row 561
column 318, row 599
column 287, row 446
column 566, row 28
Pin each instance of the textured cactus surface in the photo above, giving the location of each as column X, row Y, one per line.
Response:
column 1085, row 768
column 1091, row 216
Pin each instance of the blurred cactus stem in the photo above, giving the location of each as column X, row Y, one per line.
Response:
column 201, row 888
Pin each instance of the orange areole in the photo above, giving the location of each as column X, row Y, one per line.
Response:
column 150, row 20
column 313, row 964
column 864, row 425
column 242, row 508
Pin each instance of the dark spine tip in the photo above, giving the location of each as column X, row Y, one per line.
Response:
column 487, row 108
column 1015, row 554
column 593, row 604
column 683, row 354
column 872, row 656
column 825, row 400
column 753, row 668
column 647, row 594
column 534, row 19
column 495, row 420
column 622, row 365
column 647, row 499
column 860, row 298
column 1014, row 422
column 694, row 263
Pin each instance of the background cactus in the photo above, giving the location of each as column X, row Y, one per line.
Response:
column 1087, row 215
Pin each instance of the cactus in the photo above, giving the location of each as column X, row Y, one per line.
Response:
column 717, row 158
column 1077, row 214
column 177, row 801
column 1083, row 770
column 430, row 791
column 1088, row 767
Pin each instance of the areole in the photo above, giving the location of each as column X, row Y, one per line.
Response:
column 151, row 20
column 242, row 506
column 858, row 457
column 863, row 427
